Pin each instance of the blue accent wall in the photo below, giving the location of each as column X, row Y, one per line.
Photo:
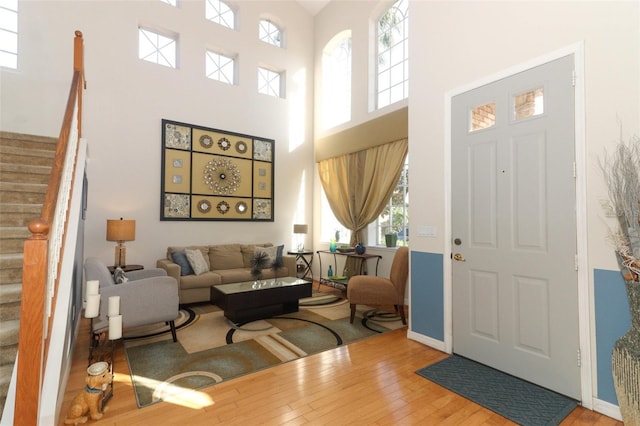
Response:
column 427, row 304
column 612, row 321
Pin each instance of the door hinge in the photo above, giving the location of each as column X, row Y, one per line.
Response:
column 579, row 359
column 573, row 78
column 575, row 261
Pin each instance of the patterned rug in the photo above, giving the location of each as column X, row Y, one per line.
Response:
column 517, row 400
column 210, row 349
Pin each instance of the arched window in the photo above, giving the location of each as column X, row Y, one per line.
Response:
column 393, row 54
column 269, row 33
column 9, row 34
column 336, row 80
column 157, row 48
column 220, row 13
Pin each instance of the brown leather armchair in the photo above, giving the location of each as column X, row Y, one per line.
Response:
column 373, row 290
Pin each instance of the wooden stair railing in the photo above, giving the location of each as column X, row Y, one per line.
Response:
column 42, row 254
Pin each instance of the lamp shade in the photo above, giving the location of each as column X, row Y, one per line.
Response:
column 121, row 229
column 300, row 229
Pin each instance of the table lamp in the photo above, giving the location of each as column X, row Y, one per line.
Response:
column 121, row 230
column 300, row 229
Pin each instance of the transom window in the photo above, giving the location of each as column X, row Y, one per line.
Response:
column 336, row 80
column 157, row 48
column 220, row 67
column 393, row 54
column 173, row 3
column 220, row 13
column 269, row 82
column 9, row 33
column 269, row 33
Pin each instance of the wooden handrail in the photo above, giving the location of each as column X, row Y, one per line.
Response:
column 40, row 276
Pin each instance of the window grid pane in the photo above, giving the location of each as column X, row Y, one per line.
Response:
column 393, row 51
column 395, row 217
column 173, row 3
column 336, row 81
column 268, row 82
column 9, row 34
column 269, row 33
column 219, row 67
column 156, row 48
column 220, row 13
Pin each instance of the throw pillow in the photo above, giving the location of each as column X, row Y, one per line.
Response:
column 180, row 257
column 119, row 276
column 197, row 262
column 272, row 253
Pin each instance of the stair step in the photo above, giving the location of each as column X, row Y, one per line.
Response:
column 8, row 354
column 9, row 331
column 27, row 157
column 28, row 141
column 20, row 173
column 12, row 239
column 22, row 193
column 16, row 215
column 10, row 293
column 10, row 275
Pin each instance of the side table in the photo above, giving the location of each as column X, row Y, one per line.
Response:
column 302, row 255
column 126, row 268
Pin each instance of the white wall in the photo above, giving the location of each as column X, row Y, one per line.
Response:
column 126, row 99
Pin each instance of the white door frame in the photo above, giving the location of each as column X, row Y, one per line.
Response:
column 584, row 293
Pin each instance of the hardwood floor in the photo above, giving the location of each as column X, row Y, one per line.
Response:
column 370, row 382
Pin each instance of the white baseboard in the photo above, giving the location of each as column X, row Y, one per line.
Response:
column 607, row 408
column 436, row 344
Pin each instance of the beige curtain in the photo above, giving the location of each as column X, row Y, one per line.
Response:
column 359, row 185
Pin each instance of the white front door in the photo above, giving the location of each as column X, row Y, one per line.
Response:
column 514, row 278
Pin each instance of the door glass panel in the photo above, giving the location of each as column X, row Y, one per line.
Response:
column 528, row 104
column 483, row 117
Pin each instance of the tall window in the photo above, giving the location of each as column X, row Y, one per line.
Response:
column 220, row 67
column 9, row 33
column 270, row 82
column 220, row 13
column 395, row 217
column 393, row 54
column 336, row 80
column 269, row 33
column 157, row 48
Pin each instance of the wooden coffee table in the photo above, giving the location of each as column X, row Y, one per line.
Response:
column 253, row 300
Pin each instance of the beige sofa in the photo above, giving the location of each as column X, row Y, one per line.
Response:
column 228, row 263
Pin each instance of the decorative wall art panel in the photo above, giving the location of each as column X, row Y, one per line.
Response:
column 210, row 174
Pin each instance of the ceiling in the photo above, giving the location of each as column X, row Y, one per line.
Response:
column 313, row 6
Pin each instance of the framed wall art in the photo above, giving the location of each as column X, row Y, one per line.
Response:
column 211, row 174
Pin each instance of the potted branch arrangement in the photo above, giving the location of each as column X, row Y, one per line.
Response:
column 622, row 174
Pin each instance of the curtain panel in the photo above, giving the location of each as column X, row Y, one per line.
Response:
column 359, row 185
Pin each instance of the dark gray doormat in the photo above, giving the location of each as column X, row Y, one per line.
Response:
column 517, row 400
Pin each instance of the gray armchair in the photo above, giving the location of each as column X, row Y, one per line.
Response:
column 149, row 296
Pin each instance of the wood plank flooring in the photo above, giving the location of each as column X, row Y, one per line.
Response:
column 370, row 382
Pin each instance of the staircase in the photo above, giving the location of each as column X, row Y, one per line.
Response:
column 25, row 165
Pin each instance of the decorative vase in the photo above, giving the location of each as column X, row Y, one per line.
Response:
column 332, row 246
column 625, row 361
column 360, row 248
column 391, row 240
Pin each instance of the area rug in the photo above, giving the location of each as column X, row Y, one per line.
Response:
column 517, row 400
column 211, row 349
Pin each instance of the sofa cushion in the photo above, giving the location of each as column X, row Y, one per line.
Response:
column 248, row 251
column 180, row 257
column 197, row 262
column 225, row 256
column 200, row 281
column 236, row 275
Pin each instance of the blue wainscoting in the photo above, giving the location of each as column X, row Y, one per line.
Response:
column 612, row 321
column 427, row 304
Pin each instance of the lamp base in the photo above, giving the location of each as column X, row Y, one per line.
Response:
column 121, row 255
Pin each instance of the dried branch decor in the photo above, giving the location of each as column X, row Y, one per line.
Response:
column 622, row 173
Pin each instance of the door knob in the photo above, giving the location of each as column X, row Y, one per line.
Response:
column 458, row 257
